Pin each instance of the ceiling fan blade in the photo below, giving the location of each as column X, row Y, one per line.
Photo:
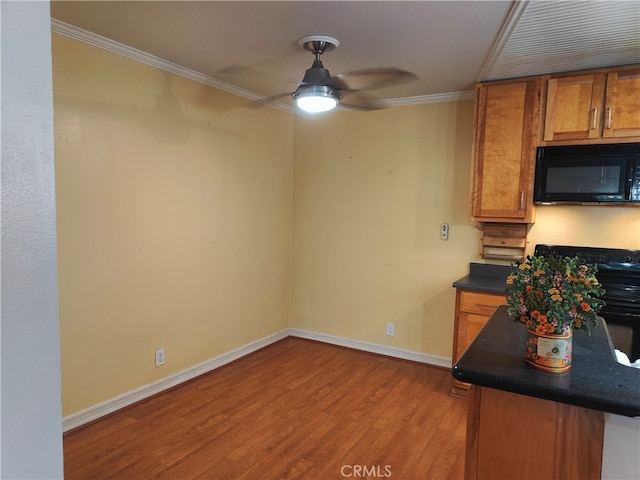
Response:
column 267, row 66
column 372, row 78
column 240, row 70
column 267, row 100
column 356, row 100
column 234, row 73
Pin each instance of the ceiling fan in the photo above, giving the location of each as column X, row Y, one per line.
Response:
column 320, row 92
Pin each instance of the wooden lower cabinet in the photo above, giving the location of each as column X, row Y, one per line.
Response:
column 473, row 309
column 516, row 436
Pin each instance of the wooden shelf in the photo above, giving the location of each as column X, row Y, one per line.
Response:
column 504, row 242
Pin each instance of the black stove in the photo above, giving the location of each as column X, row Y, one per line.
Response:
column 619, row 274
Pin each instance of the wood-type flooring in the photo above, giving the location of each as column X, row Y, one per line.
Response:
column 295, row 409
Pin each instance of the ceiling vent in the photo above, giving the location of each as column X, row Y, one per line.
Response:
column 590, row 35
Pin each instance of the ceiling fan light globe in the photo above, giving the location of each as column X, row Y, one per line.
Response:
column 312, row 104
column 316, row 98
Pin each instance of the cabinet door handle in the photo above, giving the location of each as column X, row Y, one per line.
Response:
column 522, row 200
column 609, row 113
column 594, row 118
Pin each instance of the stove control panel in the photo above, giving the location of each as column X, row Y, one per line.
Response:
column 611, row 257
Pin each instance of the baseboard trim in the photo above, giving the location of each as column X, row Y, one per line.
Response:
column 91, row 414
column 394, row 352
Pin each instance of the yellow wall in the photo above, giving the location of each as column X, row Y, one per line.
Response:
column 371, row 191
column 587, row 226
column 174, row 221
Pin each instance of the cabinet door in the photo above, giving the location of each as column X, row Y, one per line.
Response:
column 473, row 310
column 505, row 147
column 510, row 435
column 470, row 326
column 474, row 325
column 622, row 105
column 574, row 107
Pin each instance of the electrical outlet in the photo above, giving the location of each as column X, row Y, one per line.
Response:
column 159, row 357
column 391, row 329
column 444, row 231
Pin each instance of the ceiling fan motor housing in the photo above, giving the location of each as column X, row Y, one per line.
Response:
column 317, row 74
column 317, row 82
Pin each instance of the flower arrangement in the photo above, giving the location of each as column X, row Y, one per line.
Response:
column 554, row 295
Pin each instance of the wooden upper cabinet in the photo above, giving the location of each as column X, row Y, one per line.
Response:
column 574, row 107
column 506, row 126
column 597, row 107
column 622, row 105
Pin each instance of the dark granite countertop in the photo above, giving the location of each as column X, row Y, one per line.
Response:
column 596, row 380
column 484, row 277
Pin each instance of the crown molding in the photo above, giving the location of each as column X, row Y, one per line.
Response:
column 517, row 10
column 118, row 48
column 434, row 98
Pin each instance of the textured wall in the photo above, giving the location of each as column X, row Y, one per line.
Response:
column 31, row 428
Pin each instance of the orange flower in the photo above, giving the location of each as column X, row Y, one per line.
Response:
column 540, row 330
column 585, row 306
column 542, row 319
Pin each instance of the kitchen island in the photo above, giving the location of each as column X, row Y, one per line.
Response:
column 527, row 423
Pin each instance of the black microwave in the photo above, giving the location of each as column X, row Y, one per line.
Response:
column 588, row 174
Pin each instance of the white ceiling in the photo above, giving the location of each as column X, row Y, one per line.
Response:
column 251, row 46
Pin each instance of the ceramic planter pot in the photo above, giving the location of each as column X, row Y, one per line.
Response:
column 551, row 353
